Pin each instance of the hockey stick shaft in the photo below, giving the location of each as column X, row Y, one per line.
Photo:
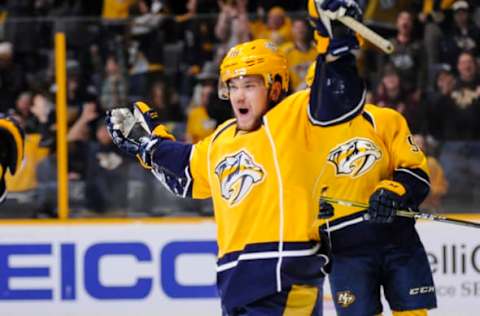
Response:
column 367, row 34
column 411, row 214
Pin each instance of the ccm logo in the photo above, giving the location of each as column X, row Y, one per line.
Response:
column 422, row 290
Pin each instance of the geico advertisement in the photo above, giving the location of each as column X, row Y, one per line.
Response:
column 117, row 269
column 153, row 268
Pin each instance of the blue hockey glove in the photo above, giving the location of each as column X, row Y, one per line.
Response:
column 326, row 210
column 385, row 201
column 323, row 12
column 332, row 37
column 118, row 125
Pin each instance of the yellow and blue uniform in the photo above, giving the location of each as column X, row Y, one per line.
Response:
column 261, row 183
column 375, row 147
column 264, row 209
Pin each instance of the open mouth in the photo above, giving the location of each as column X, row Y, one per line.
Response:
column 243, row 110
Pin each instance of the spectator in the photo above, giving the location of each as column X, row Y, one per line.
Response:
column 106, row 174
column 465, row 36
column 408, row 56
column 12, row 78
column 232, row 26
column 23, row 113
column 114, row 88
column 80, row 130
column 44, row 112
column 391, row 93
column 199, row 124
column 278, row 27
column 146, row 31
column 300, row 53
column 164, row 103
column 198, row 39
column 466, row 97
column 442, row 117
column 433, row 16
column 23, row 33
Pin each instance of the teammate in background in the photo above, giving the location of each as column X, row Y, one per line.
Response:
column 11, row 150
column 373, row 158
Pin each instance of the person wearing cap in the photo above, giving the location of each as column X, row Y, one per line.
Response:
column 278, row 27
column 463, row 36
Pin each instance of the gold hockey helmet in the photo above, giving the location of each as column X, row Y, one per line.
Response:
column 258, row 57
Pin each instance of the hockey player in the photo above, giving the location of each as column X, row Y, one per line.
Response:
column 11, row 150
column 260, row 170
column 375, row 160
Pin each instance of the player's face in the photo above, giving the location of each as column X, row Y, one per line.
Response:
column 248, row 96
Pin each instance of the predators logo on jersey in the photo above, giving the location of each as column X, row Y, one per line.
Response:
column 237, row 175
column 355, row 157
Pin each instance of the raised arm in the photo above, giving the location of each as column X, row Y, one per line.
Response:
column 337, row 92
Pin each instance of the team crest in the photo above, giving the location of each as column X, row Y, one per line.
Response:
column 345, row 298
column 237, row 175
column 355, row 157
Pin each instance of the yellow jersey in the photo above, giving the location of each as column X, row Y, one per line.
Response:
column 374, row 146
column 298, row 63
column 266, row 184
column 199, row 124
column 116, row 9
column 261, row 186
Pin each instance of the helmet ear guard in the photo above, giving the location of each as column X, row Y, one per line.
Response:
column 12, row 141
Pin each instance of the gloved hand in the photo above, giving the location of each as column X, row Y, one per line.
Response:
column 333, row 39
column 326, row 210
column 385, row 201
column 323, row 12
column 150, row 121
column 118, row 123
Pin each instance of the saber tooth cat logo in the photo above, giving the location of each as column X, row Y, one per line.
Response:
column 355, row 157
column 237, row 175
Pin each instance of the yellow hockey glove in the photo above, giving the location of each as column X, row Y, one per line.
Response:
column 150, row 121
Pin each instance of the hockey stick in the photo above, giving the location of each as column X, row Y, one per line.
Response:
column 360, row 29
column 368, row 34
column 417, row 214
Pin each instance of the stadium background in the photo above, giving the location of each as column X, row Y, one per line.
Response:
column 79, row 207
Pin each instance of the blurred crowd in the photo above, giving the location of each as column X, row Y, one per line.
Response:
column 167, row 53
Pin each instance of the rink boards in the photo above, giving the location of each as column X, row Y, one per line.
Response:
column 167, row 267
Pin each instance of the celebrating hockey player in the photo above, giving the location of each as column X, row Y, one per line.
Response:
column 376, row 161
column 11, row 150
column 260, row 169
